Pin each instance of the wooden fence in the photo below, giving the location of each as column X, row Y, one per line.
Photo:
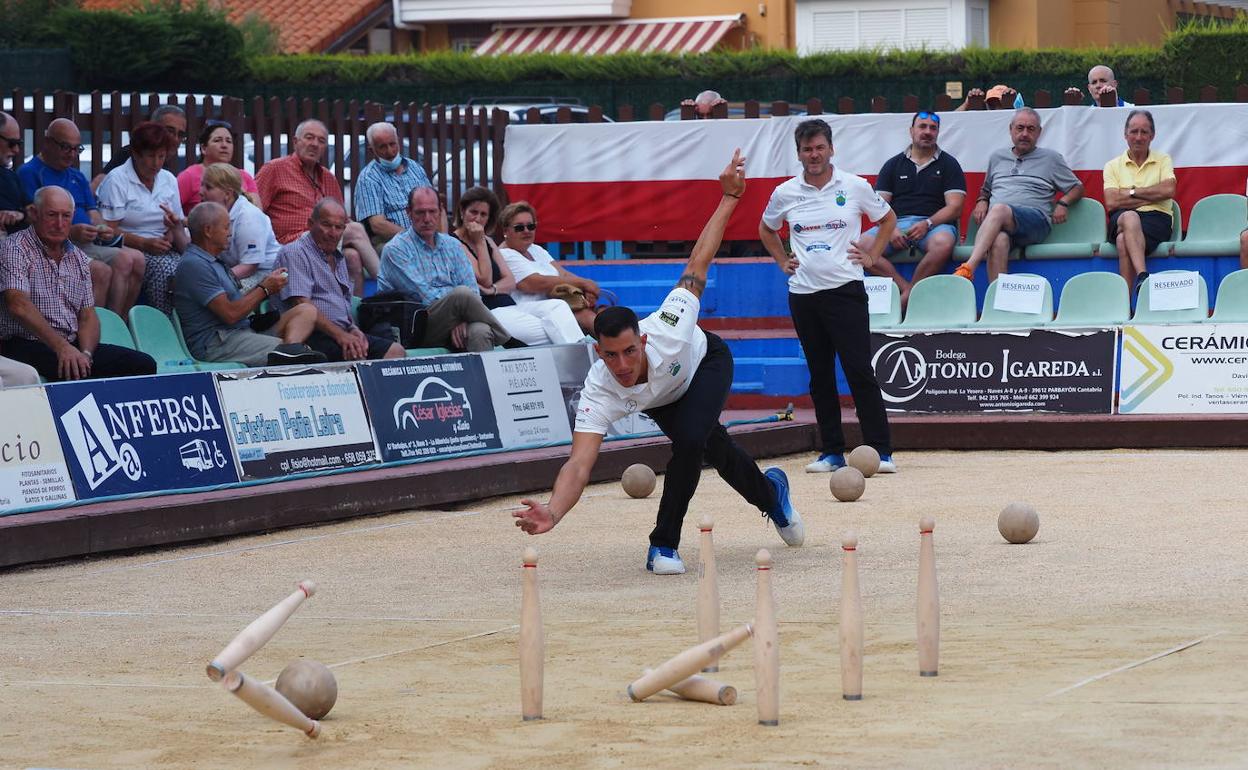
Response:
column 458, row 146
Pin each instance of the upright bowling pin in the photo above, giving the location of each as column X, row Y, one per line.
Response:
column 766, row 644
column 708, row 587
column 258, row 632
column 532, row 641
column 929, row 601
column 851, row 621
column 269, row 702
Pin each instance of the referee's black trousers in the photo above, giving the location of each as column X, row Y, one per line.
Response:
column 831, row 323
column 692, row 424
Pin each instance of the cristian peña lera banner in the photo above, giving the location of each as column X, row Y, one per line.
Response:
column 1035, row 370
column 1184, row 368
column 32, row 467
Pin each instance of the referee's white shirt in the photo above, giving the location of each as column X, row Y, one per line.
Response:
column 675, row 346
column 822, row 224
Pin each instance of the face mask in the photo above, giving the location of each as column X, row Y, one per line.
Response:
column 391, row 165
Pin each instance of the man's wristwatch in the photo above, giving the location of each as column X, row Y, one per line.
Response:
column 1063, row 204
column 1132, row 192
column 929, row 224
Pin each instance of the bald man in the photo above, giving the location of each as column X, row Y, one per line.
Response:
column 1101, row 80
column 57, row 164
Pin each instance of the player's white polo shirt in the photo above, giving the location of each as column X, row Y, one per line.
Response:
column 675, row 346
column 822, row 223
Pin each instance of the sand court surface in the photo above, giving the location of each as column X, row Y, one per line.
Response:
column 1138, row 553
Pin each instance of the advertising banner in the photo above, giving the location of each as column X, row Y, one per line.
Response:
column 430, row 406
column 528, row 401
column 32, row 467
column 1035, row 370
column 283, row 423
column 1176, row 369
column 142, row 434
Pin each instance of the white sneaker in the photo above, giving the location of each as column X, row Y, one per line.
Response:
column 826, row 464
column 664, row 561
column 887, row 465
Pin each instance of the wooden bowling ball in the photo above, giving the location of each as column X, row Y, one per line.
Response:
column 865, row 459
column 638, row 480
column 1018, row 523
column 310, row 686
column 847, row 484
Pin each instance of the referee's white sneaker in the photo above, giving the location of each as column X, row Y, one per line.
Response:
column 784, row 516
column 664, row 561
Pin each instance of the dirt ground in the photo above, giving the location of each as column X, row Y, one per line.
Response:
column 102, row 660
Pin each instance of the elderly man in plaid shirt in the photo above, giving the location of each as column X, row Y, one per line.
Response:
column 380, row 194
column 318, row 279
column 48, row 316
column 291, row 186
column 431, row 267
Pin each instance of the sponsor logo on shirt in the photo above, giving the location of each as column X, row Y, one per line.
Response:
column 671, row 319
column 840, row 197
column 818, row 247
column 835, row 224
column 631, row 405
column 673, row 368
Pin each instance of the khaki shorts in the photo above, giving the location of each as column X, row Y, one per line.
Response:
column 105, row 254
column 242, row 345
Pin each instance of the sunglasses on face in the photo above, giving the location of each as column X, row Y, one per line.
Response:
column 925, row 115
column 521, row 228
column 66, row 146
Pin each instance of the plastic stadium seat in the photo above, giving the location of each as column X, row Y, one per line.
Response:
column 993, row 318
column 154, row 335
column 1144, row 315
column 963, row 253
column 1094, row 299
column 208, row 366
column 113, row 330
column 424, row 352
column 893, row 316
column 355, row 308
column 1164, row 248
column 1213, row 230
column 940, row 302
column 1231, row 304
column 1080, row 235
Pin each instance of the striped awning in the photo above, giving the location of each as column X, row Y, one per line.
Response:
column 695, row 34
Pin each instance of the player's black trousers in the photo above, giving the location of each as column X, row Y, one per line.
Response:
column 692, row 423
column 834, row 322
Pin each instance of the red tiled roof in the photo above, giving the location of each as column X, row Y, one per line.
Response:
column 304, row 26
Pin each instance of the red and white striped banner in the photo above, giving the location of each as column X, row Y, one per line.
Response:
column 657, row 180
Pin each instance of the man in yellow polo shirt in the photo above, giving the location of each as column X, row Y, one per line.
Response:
column 1139, row 193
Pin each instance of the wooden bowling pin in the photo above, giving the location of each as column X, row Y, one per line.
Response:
column 705, row 690
column 929, row 601
column 766, row 644
column 532, row 640
column 269, row 702
column 258, row 632
column 687, row 663
column 851, row 621
column 708, row 587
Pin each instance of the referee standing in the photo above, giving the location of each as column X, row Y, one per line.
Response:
column 823, row 207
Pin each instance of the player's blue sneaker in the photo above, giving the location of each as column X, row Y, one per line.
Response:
column 887, row 465
column 787, row 520
column 826, row 463
column 664, row 561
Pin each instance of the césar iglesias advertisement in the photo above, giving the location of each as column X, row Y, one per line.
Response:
column 282, row 423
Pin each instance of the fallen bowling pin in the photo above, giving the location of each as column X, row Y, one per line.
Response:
column 258, row 632
column 704, row 690
column 269, row 702
column 687, row 663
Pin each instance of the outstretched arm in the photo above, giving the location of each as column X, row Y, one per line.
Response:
column 573, row 476
column 732, row 182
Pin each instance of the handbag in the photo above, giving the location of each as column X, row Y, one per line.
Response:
column 394, row 315
column 570, row 294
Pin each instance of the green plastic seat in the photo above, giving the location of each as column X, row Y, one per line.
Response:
column 892, row 318
column 355, row 308
column 1213, row 230
column 1093, row 299
column 1079, row 236
column 940, row 302
column 1145, row 315
column 155, row 335
column 426, row 352
column 1231, row 303
column 992, row 318
column 113, row 330
column 204, row 366
column 1164, row 249
column 963, row 253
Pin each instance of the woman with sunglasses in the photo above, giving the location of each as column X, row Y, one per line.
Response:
column 216, row 145
column 139, row 199
column 533, row 323
column 253, row 247
column 536, row 272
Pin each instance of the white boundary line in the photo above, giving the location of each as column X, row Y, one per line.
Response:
column 1136, row 664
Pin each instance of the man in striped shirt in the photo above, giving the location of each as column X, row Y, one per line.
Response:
column 381, row 192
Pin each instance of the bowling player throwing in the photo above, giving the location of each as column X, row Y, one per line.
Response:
column 679, row 375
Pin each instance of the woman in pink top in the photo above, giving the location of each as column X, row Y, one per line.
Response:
column 216, row 145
